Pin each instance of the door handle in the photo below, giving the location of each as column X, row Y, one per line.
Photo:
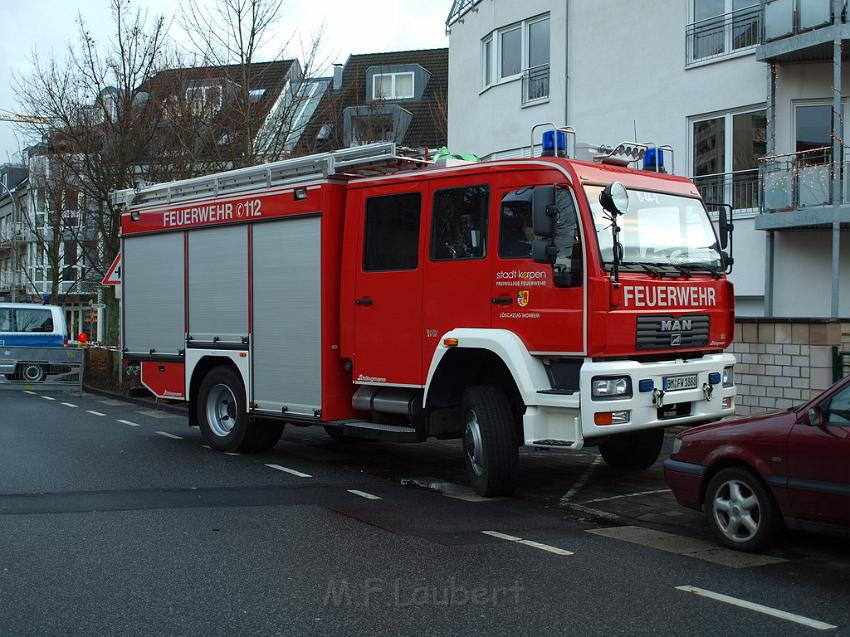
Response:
column 502, row 300
column 363, row 301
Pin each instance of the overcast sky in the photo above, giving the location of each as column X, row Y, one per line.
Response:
column 365, row 26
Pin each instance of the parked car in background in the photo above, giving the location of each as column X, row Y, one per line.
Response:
column 28, row 325
column 751, row 475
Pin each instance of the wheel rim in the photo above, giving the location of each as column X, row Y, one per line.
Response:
column 32, row 373
column 221, row 410
column 737, row 511
column 472, row 443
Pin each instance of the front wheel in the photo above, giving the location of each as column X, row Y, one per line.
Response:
column 740, row 510
column 223, row 416
column 634, row 451
column 490, row 441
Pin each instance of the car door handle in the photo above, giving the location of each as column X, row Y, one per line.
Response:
column 363, row 301
column 501, row 300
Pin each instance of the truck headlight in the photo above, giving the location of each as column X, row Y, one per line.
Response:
column 728, row 376
column 611, row 387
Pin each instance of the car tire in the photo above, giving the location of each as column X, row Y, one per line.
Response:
column 490, row 441
column 31, row 372
column 223, row 416
column 634, row 451
column 740, row 510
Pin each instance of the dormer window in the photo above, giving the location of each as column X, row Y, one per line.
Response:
column 204, row 98
column 392, row 86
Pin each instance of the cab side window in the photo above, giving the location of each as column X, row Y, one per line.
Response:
column 459, row 223
column 516, row 233
column 391, row 237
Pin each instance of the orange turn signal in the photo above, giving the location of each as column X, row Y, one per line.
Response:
column 603, row 418
column 450, row 342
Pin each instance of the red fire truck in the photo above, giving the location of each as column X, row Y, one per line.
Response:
column 540, row 301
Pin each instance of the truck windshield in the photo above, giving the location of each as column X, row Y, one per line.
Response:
column 658, row 230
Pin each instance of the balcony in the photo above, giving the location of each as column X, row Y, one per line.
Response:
column 723, row 35
column 535, row 84
column 796, row 190
column 800, row 30
column 739, row 189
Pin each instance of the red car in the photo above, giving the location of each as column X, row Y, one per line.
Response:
column 750, row 475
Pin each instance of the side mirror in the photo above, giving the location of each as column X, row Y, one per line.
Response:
column 544, row 212
column 725, row 228
column 814, row 417
column 544, row 251
column 615, row 198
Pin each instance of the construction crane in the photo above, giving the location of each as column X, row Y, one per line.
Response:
column 9, row 116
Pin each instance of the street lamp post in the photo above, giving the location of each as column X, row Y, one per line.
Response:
column 15, row 215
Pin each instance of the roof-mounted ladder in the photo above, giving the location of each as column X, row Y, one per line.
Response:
column 371, row 159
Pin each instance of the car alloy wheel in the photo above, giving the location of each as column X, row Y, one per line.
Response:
column 737, row 511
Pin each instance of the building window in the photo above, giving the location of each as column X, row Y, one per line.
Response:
column 519, row 50
column 726, row 153
column 391, row 237
column 459, row 223
column 203, row 99
column 722, row 27
column 372, row 128
column 392, row 86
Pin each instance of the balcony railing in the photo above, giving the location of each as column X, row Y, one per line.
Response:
column 535, row 83
column 739, row 189
column 723, row 35
column 784, row 18
column 798, row 180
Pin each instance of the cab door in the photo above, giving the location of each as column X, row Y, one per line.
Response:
column 388, row 288
column 543, row 304
column 819, row 464
column 457, row 268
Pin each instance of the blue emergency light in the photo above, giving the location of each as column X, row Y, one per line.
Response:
column 646, row 384
column 714, row 378
column 654, row 160
column 549, row 143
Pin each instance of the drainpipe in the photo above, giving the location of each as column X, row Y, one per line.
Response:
column 837, row 160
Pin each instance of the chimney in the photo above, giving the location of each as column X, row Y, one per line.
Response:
column 337, row 76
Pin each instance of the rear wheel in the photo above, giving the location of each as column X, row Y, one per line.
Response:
column 30, row 372
column 740, row 510
column 634, row 451
column 490, row 441
column 223, row 415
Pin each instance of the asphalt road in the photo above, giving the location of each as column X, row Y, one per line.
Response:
column 115, row 520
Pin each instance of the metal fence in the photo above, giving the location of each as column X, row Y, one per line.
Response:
column 723, row 34
column 34, row 368
column 797, row 180
column 739, row 189
column 535, row 83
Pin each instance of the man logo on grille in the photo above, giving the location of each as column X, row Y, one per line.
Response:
column 675, row 340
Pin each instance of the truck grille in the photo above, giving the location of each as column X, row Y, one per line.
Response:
column 672, row 332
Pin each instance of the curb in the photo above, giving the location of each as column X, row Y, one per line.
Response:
column 152, row 404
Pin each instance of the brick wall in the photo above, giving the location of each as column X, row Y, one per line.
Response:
column 782, row 362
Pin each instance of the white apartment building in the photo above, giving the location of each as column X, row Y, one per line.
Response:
column 741, row 89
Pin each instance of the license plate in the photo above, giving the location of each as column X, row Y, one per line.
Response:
column 676, row 383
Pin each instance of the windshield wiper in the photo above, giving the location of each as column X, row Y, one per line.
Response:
column 701, row 267
column 652, row 267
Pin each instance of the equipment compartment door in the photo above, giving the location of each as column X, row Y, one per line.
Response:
column 388, row 316
column 287, row 316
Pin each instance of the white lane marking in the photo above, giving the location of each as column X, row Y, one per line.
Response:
column 230, row 453
column 578, row 486
column 628, row 495
column 759, row 608
column 129, row 422
column 31, row 393
column 168, row 435
column 48, row 398
column 94, row 413
column 363, row 494
column 531, row 543
column 69, row 405
column 206, row 447
column 288, row 470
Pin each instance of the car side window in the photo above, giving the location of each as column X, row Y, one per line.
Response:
column 459, row 223
column 34, row 320
column 838, row 412
column 5, row 320
column 515, row 231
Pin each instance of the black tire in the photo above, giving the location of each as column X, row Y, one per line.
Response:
column 490, row 441
column 31, row 372
column 634, row 451
column 223, row 416
column 337, row 434
column 731, row 528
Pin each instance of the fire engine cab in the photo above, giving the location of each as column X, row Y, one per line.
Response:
column 542, row 301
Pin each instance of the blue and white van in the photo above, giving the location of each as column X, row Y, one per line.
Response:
column 27, row 325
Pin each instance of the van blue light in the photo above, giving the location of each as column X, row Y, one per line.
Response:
column 647, row 384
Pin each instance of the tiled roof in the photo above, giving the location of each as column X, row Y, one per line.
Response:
column 429, row 123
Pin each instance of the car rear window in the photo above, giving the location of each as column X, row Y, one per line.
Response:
column 33, row 321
